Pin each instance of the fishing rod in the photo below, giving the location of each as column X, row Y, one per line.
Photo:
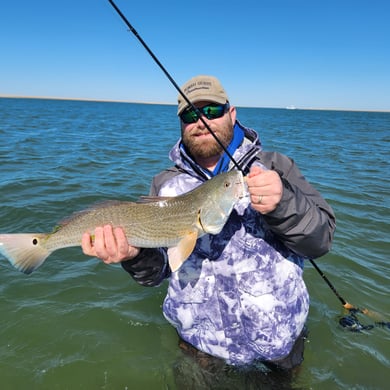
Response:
column 170, row 78
column 351, row 308
column 345, row 304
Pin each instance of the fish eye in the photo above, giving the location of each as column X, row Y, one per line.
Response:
column 35, row 241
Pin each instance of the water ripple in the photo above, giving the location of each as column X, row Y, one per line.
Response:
column 82, row 324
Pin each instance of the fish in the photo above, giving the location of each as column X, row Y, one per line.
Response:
column 152, row 222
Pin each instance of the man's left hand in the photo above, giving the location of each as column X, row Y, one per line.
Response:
column 265, row 189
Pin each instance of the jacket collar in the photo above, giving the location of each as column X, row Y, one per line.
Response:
column 243, row 154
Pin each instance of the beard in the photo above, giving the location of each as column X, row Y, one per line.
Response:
column 204, row 148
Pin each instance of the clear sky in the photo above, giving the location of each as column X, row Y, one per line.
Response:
column 267, row 53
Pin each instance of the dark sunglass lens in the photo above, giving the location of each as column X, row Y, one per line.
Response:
column 213, row 111
column 189, row 116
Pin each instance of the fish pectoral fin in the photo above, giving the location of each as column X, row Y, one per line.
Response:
column 178, row 254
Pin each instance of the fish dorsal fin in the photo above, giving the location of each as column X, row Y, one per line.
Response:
column 153, row 199
column 178, row 254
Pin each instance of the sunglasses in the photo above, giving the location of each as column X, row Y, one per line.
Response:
column 211, row 111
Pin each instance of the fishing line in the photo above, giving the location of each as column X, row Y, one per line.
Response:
column 170, row 78
column 345, row 304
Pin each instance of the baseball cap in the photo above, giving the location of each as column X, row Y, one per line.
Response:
column 199, row 88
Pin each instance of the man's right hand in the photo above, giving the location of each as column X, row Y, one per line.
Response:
column 109, row 244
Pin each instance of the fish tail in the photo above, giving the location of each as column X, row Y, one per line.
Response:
column 26, row 252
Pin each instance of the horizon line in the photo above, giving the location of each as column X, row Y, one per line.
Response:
column 290, row 108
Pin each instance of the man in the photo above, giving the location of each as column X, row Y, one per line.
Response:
column 240, row 296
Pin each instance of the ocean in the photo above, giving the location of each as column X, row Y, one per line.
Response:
column 76, row 323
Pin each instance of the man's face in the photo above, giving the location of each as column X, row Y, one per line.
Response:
column 200, row 143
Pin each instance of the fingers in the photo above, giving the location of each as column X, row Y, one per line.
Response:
column 100, row 243
column 254, row 171
column 265, row 189
column 109, row 244
column 86, row 245
column 121, row 241
column 106, row 244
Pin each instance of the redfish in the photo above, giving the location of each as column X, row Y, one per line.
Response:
column 172, row 222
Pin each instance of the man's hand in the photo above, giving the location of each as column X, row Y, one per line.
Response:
column 109, row 244
column 265, row 189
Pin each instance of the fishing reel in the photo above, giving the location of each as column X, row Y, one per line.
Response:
column 352, row 323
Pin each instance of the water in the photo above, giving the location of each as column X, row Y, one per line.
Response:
column 76, row 323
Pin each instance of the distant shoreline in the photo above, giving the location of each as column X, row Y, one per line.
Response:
column 81, row 99
column 173, row 104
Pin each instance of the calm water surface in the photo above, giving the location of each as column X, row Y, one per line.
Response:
column 78, row 324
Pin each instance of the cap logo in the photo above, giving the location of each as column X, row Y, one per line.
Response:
column 196, row 86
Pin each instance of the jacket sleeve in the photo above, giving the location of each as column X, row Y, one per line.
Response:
column 303, row 219
column 149, row 268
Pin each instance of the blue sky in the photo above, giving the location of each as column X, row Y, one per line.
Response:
column 267, row 53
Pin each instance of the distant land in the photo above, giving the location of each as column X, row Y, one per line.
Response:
column 290, row 107
column 82, row 99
